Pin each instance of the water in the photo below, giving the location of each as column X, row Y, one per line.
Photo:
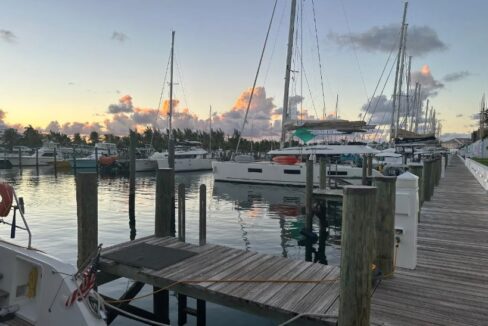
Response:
column 266, row 219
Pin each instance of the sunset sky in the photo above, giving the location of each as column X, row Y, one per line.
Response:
column 102, row 63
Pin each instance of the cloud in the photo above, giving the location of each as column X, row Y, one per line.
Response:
column 124, row 105
column 119, row 124
column 430, row 85
column 475, row 116
column 53, row 126
column 119, row 36
column 420, row 39
column 7, row 36
column 456, row 76
column 84, row 128
column 459, row 115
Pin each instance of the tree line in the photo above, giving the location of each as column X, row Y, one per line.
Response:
column 158, row 139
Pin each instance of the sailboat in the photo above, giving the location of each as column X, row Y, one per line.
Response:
column 35, row 288
column 287, row 166
column 186, row 155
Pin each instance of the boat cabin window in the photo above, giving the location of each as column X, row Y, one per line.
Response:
column 47, row 155
column 251, row 170
column 292, row 171
column 337, row 172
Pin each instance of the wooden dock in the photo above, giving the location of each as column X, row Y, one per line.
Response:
column 450, row 284
column 448, row 287
column 277, row 300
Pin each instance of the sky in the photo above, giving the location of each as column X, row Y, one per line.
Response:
column 74, row 66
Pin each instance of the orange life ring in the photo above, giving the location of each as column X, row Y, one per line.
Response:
column 285, row 160
column 107, row 160
column 7, row 197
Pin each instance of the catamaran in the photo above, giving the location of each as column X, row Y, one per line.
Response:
column 287, row 166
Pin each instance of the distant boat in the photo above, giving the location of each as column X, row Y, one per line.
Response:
column 189, row 156
column 45, row 155
column 103, row 152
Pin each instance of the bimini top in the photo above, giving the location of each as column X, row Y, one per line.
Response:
column 325, row 150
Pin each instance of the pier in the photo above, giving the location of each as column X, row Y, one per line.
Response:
column 447, row 286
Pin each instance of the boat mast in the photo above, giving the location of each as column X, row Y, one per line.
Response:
column 400, row 80
column 210, row 135
column 171, row 147
column 419, row 108
column 284, row 115
column 426, row 116
column 395, row 97
column 408, row 93
column 337, row 107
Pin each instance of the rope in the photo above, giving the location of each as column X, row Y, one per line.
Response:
column 256, row 77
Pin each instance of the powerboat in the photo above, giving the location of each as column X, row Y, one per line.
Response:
column 189, row 156
column 105, row 153
column 45, row 155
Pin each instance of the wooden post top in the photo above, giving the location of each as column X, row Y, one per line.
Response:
column 350, row 190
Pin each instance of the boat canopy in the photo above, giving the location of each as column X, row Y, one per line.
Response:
column 325, row 150
column 338, row 124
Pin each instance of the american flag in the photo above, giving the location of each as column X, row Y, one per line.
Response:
column 88, row 279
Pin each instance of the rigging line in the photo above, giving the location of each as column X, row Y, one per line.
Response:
column 274, row 45
column 164, row 84
column 301, row 59
column 180, row 76
column 354, row 47
column 379, row 80
column 256, row 77
column 320, row 60
column 310, row 92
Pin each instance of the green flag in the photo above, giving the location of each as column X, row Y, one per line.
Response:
column 304, row 134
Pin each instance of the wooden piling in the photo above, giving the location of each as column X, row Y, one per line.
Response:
column 37, row 158
column 96, row 159
column 428, row 182
column 161, row 305
column 418, row 170
column 323, row 173
column 171, row 152
column 181, row 212
column 438, row 171
column 358, row 215
column 132, row 184
column 201, row 312
column 55, row 161
column 203, row 215
column 164, row 202
column 370, row 168
column 74, row 160
column 87, row 212
column 309, row 196
column 20, row 158
column 364, row 181
column 385, row 223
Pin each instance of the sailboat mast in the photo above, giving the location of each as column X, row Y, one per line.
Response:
column 400, row 79
column 408, row 93
column 171, row 148
column 426, row 116
column 395, row 91
column 284, row 115
column 419, row 108
column 210, row 134
column 337, row 107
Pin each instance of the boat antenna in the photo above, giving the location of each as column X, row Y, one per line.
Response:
column 284, row 115
column 256, row 77
column 210, row 134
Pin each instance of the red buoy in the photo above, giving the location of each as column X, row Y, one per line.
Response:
column 7, row 197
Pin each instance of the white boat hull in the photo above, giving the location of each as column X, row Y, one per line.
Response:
column 187, row 164
column 146, row 165
column 38, row 285
column 280, row 174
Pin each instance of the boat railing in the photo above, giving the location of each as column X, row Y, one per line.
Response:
column 19, row 206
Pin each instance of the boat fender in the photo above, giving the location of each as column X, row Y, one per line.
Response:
column 6, row 197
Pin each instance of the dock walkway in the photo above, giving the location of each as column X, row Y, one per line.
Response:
column 450, row 284
column 448, row 287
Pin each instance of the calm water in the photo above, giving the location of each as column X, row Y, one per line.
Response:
column 266, row 219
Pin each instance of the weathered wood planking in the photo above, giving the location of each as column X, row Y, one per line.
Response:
column 277, row 300
column 450, row 284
